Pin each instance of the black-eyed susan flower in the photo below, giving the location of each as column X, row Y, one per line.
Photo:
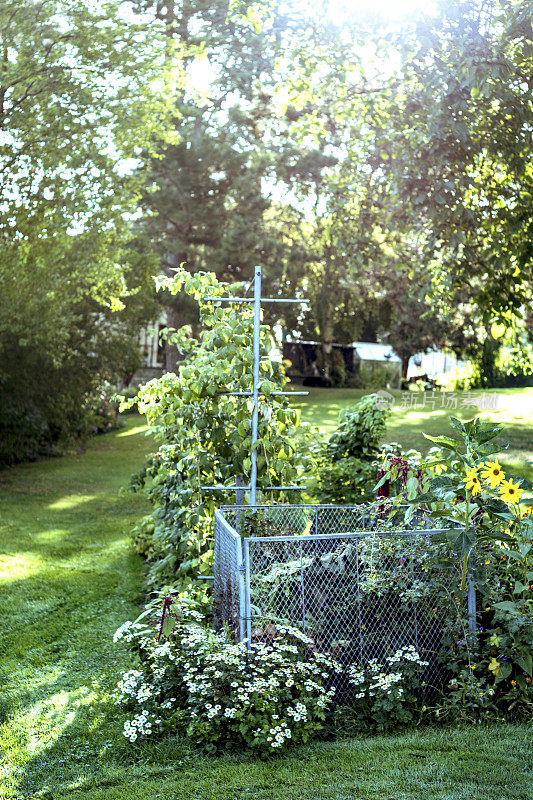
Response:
column 492, row 473
column 472, row 481
column 510, row 492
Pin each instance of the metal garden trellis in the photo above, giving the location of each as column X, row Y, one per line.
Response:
column 256, row 300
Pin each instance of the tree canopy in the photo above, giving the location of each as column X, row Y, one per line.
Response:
column 381, row 167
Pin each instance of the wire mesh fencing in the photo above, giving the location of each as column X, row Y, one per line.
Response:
column 359, row 586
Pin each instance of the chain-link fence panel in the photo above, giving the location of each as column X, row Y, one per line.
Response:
column 286, row 520
column 359, row 586
column 229, row 588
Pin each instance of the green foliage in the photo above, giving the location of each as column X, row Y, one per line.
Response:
column 49, row 380
column 82, row 90
column 490, row 535
column 376, row 376
column 103, row 417
column 264, row 698
column 462, row 154
column 348, row 467
column 462, row 379
column 204, row 434
column 360, row 430
column 24, row 432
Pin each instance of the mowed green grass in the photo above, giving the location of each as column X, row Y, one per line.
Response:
column 68, row 579
column 416, row 413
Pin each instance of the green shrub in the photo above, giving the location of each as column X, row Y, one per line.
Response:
column 25, row 434
column 381, row 376
column 348, row 467
column 102, row 416
column 462, row 378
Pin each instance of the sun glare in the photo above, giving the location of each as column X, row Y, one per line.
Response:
column 386, row 9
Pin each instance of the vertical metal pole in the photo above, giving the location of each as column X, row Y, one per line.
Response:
column 239, row 501
column 255, row 387
column 242, row 588
column 302, row 583
column 358, row 597
column 415, row 602
column 247, row 599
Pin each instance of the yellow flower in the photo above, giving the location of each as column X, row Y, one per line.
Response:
column 510, row 492
column 494, row 666
column 527, row 512
column 492, row 473
column 472, row 481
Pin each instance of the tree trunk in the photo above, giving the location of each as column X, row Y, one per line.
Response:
column 488, row 358
column 326, row 345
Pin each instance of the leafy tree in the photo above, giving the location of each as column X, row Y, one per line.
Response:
column 460, row 152
column 206, row 201
column 78, row 98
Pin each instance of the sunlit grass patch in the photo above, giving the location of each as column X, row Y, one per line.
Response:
column 17, row 566
column 71, row 501
column 133, row 431
column 408, row 422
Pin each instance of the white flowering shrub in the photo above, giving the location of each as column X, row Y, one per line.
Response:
column 385, row 694
column 267, row 696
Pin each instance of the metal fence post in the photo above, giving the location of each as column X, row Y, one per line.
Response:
column 242, row 592
column 247, row 610
column 255, row 385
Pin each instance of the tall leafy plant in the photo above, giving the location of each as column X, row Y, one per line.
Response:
column 490, row 533
column 205, row 436
column 473, row 509
column 348, row 462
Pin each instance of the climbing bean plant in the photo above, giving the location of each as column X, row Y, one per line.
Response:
column 204, row 434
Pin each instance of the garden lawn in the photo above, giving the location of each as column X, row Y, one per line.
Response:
column 69, row 579
column 408, row 422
